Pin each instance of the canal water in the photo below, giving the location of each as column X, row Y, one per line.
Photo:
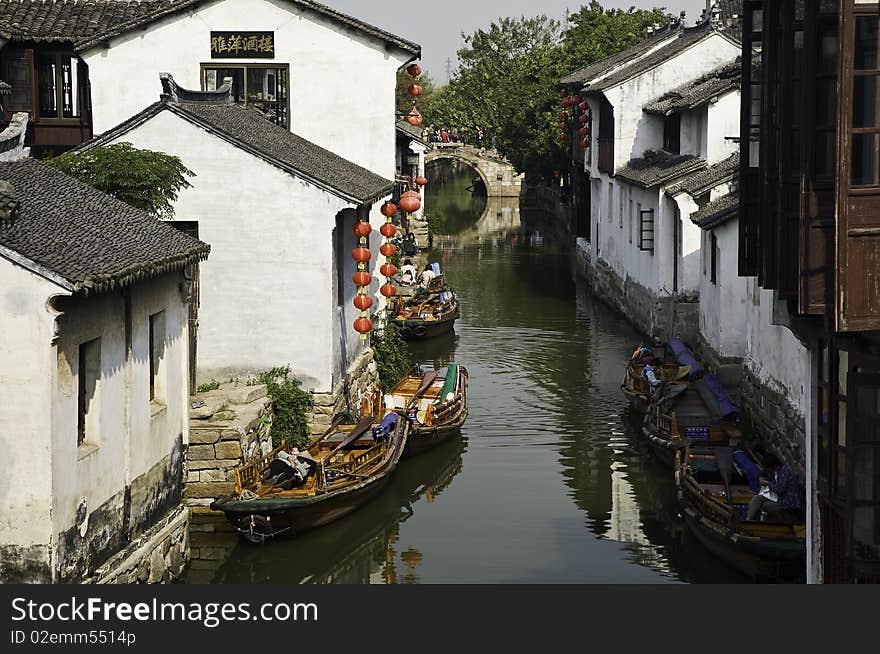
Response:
column 549, row 480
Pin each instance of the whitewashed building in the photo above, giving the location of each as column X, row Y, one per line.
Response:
column 93, row 371
column 279, row 212
column 659, row 112
column 410, row 162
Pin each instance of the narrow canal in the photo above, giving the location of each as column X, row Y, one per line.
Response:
column 549, row 481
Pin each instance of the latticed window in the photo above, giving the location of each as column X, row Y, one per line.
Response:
column 263, row 87
column 646, row 230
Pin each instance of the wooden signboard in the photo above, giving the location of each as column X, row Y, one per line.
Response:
column 242, row 45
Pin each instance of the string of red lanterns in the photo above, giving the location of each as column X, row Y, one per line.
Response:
column 583, row 114
column 362, row 279
column 414, row 118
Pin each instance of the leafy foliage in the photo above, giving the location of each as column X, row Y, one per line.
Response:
column 403, row 100
column 144, row 179
column 508, row 81
column 392, row 355
column 290, row 404
column 212, row 385
column 436, row 222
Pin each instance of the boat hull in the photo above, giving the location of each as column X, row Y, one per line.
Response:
column 418, row 330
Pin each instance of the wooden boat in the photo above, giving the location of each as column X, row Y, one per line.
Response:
column 435, row 403
column 635, row 385
column 714, row 498
column 426, row 317
column 347, row 467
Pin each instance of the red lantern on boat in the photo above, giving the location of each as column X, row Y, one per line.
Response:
column 410, row 201
column 362, row 229
column 388, row 270
column 388, row 209
column 363, row 325
column 388, row 290
column 388, row 249
column 414, row 90
column 363, row 302
column 362, row 278
column 414, row 70
column 422, row 181
column 388, row 230
column 361, row 255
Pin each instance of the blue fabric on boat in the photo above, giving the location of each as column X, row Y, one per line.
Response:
column 749, row 469
column 727, row 409
column 385, row 427
column 436, row 268
column 685, row 358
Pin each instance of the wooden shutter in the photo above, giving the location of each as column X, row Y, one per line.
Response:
column 857, row 296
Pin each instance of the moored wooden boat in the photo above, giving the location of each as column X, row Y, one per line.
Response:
column 638, row 390
column 346, row 468
column 714, row 499
column 435, row 403
column 427, row 317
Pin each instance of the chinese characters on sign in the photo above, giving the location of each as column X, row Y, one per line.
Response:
column 231, row 45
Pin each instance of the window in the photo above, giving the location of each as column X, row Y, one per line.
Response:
column 89, row 372
column 610, row 202
column 713, row 253
column 631, row 221
column 646, row 230
column 865, row 119
column 57, row 85
column 672, row 134
column 157, row 354
column 622, row 208
column 263, row 87
column 826, row 101
column 17, row 73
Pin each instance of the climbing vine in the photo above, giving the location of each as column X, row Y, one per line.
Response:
column 392, row 355
column 290, row 405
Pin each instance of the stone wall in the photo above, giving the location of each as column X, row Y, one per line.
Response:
column 160, row 555
column 231, row 428
column 361, row 380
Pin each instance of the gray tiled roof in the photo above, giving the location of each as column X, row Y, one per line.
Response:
column 87, row 23
column 717, row 212
column 707, row 179
column 410, row 131
column 660, row 167
column 88, row 239
column 250, row 130
column 698, row 92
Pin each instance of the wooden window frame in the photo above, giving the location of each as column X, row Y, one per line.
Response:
column 672, row 134
column 646, row 243
column 245, row 66
column 713, row 258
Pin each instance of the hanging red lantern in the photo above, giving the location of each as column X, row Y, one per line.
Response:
column 585, row 143
column 583, row 131
column 563, row 137
column 389, row 209
column 414, row 70
column 422, row 181
column 362, row 229
column 363, row 302
column 388, row 270
column 583, row 106
column 362, row 278
column 576, row 100
column 414, row 118
column 361, row 255
column 363, row 325
column 388, row 249
column 388, row 290
column 388, row 230
column 410, row 202
column 414, row 90
column 584, row 119
column 563, row 116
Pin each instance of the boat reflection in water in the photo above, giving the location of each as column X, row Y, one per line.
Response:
column 362, row 548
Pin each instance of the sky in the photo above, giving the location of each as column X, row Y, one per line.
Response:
column 437, row 25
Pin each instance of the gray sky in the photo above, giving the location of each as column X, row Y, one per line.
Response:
column 437, row 26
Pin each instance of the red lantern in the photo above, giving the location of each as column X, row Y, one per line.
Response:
column 563, row 93
column 585, row 143
column 422, row 181
column 388, row 209
column 388, row 230
column 362, row 278
column 361, row 255
column 583, row 131
column 362, row 228
column 388, row 270
column 363, row 325
column 563, row 116
column 583, row 106
column 414, row 118
column 414, row 90
column 388, row 290
column 584, row 119
column 410, row 203
column 388, row 249
column 414, row 70
column 563, row 137
column 576, row 100
column 363, row 302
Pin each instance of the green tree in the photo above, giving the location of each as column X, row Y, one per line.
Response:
column 144, row 179
column 404, row 100
column 392, row 355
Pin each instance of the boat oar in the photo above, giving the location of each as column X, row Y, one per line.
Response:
column 427, row 380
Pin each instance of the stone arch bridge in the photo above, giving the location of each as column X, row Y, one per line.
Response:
column 498, row 175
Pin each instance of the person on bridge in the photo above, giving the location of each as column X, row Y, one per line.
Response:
column 444, row 135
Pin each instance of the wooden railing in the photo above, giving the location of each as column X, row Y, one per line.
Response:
column 249, row 474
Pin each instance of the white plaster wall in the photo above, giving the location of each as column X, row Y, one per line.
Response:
column 773, row 354
column 723, row 123
column 267, row 294
column 694, row 132
column 133, row 434
column 27, row 371
column 634, row 134
column 723, row 305
column 342, row 81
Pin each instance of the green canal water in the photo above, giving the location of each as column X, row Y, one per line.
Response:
column 549, row 480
